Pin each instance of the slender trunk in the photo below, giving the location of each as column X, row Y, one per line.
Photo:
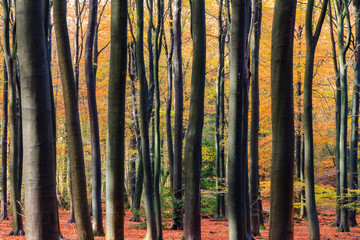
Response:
column 178, row 120
column 94, row 121
column 220, row 120
column 282, row 169
column 355, row 119
column 144, row 117
column 254, row 132
column 4, row 215
column 192, row 226
column 76, row 155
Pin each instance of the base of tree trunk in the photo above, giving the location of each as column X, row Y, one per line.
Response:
column 352, row 219
column 17, row 232
column 342, row 229
column 135, row 218
column 177, row 225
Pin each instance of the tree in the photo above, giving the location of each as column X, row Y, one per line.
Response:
column 115, row 164
column 255, row 212
column 311, row 42
column 94, row 121
column 192, row 229
column 237, row 132
column 354, row 138
column 144, row 118
column 10, row 62
column 76, row 155
column 220, row 117
column 178, row 119
column 39, row 148
column 4, row 215
column 282, row 112
column 342, row 14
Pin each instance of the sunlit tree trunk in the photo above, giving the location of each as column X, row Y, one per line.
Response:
column 76, row 155
column 282, row 169
column 192, row 226
column 39, row 147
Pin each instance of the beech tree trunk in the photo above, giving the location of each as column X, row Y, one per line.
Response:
column 192, row 227
column 282, row 169
column 76, row 154
column 115, row 162
column 178, row 119
column 39, row 148
column 94, row 121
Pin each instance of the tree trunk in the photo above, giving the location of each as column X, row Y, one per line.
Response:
column 178, row 120
column 311, row 42
column 76, row 155
column 39, row 148
column 220, row 119
column 192, row 227
column 282, row 169
column 115, row 162
column 355, row 119
column 94, row 122
column 144, row 118
column 4, row 202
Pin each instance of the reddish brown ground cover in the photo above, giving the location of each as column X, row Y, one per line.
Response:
column 211, row 229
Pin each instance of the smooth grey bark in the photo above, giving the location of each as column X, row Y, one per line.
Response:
column 157, row 167
column 4, row 202
column 220, row 210
column 342, row 14
column 135, row 202
column 10, row 62
column 178, row 119
column 255, row 213
column 311, row 42
column 282, row 112
column 354, row 138
column 39, row 147
column 238, row 195
column 76, row 155
column 144, row 118
column 115, row 162
column 94, row 121
column 192, row 224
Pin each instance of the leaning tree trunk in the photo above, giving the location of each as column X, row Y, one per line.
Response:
column 354, row 139
column 115, row 162
column 178, row 120
column 311, row 42
column 144, row 118
column 192, row 226
column 76, row 154
column 4, row 215
column 39, row 148
column 282, row 169
column 220, row 119
column 94, row 121
column 237, row 133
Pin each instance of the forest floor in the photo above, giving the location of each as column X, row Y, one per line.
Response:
column 211, row 229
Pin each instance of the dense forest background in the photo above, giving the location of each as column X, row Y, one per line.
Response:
column 324, row 97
